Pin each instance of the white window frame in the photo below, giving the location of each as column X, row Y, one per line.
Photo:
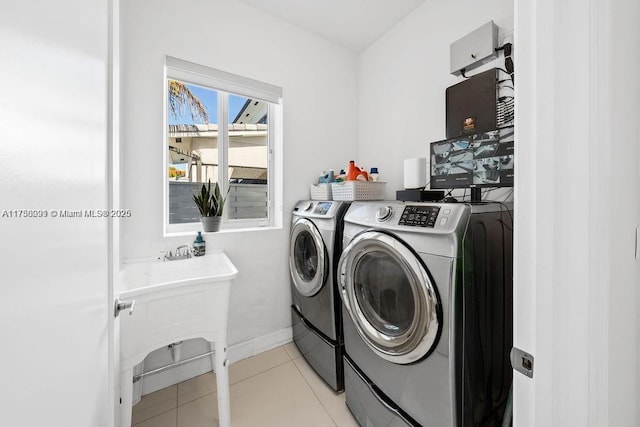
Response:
column 226, row 83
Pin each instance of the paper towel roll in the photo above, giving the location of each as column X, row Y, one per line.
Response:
column 415, row 173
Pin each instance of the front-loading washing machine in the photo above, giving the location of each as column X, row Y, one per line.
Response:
column 314, row 249
column 427, row 313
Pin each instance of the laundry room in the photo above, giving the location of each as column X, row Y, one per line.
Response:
column 378, row 102
column 196, row 257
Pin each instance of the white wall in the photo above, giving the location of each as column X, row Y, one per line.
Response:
column 55, row 303
column 320, row 130
column 402, row 80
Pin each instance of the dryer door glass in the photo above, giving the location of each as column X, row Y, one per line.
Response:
column 308, row 260
column 390, row 297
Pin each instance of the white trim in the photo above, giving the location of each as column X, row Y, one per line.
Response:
column 276, row 164
column 113, row 202
column 166, row 227
column 600, row 149
column 207, row 76
column 225, row 84
column 223, row 147
column 524, row 295
column 561, row 297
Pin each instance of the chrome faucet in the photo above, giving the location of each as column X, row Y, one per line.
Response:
column 182, row 252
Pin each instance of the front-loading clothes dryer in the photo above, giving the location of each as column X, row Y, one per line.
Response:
column 427, row 313
column 315, row 246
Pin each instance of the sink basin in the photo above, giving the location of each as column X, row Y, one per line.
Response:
column 175, row 301
column 140, row 278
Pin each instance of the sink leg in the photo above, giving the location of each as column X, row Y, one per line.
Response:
column 126, row 397
column 222, row 382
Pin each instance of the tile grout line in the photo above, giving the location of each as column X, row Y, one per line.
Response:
column 178, row 405
column 237, row 382
column 156, row 415
column 315, row 394
column 159, row 413
column 176, row 423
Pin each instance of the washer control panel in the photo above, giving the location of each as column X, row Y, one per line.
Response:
column 322, row 208
column 419, row 216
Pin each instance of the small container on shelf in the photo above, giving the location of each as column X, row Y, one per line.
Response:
column 373, row 175
column 357, row 190
column 320, row 191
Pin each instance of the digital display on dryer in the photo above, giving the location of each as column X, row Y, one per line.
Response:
column 419, row 216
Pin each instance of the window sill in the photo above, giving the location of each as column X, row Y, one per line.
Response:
column 221, row 231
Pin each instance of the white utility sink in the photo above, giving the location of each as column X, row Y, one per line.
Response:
column 175, row 301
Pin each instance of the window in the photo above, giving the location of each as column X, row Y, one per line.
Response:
column 224, row 128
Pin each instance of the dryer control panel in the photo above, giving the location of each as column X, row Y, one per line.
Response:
column 419, row 216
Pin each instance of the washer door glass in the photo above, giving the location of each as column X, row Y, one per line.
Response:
column 390, row 297
column 384, row 293
column 308, row 261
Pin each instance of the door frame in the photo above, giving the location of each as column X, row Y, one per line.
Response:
column 113, row 202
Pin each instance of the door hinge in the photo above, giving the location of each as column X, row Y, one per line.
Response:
column 522, row 362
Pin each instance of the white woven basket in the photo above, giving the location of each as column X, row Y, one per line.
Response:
column 320, row 191
column 357, row 190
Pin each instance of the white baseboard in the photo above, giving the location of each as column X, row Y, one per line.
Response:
column 190, row 348
column 258, row 345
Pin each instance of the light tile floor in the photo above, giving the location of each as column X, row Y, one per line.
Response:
column 276, row 388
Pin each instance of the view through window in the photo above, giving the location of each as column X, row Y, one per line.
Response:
column 215, row 135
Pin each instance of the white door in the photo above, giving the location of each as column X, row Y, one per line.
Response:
column 56, row 311
column 577, row 209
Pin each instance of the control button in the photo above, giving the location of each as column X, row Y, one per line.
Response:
column 443, row 221
column 385, row 212
column 308, row 206
column 446, row 212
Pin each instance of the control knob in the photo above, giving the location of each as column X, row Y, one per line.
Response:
column 384, row 213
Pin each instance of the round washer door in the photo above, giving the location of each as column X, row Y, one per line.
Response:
column 390, row 297
column 308, row 259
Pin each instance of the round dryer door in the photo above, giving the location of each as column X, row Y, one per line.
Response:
column 390, row 297
column 308, row 259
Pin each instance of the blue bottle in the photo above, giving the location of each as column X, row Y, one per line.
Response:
column 199, row 245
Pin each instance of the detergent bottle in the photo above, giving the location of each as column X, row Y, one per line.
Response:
column 354, row 173
column 373, row 175
column 326, row 177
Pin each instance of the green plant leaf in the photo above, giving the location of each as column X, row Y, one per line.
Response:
column 210, row 203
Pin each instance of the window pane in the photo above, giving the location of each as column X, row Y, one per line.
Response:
column 192, row 146
column 248, row 158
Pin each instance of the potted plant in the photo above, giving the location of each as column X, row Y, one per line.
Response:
column 211, row 205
